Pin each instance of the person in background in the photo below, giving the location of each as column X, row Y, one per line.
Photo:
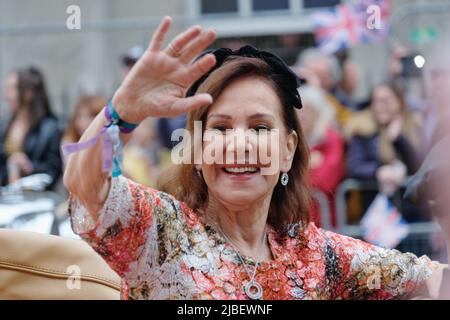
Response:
column 326, row 145
column 144, row 158
column 348, row 84
column 130, row 58
column 30, row 139
column 404, row 71
column 85, row 110
column 324, row 71
column 384, row 143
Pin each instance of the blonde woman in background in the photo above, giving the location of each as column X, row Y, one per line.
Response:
column 144, row 156
column 384, row 146
column 384, row 141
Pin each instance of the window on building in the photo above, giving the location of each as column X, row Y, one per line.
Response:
column 320, row 3
column 258, row 6
column 214, row 6
column 261, row 5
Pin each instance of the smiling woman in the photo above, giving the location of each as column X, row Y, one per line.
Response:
column 246, row 97
column 223, row 231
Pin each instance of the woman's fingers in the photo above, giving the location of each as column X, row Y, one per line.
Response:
column 160, row 34
column 186, row 45
column 200, row 67
column 195, row 47
column 177, row 45
column 184, row 105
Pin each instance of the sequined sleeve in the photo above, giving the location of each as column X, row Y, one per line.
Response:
column 370, row 272
column 126, row 231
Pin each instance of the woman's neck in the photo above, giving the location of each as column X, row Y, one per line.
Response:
column 245, row 228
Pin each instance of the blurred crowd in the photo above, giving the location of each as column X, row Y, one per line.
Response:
column 383, row 139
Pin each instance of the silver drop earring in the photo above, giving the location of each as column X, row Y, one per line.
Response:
column 284, row 179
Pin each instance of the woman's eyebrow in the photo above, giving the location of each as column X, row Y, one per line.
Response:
column 252, row 117
column 219, row 115
column 261, row 116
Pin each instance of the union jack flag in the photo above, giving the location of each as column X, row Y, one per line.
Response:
column 345, row 25
column 382, row 224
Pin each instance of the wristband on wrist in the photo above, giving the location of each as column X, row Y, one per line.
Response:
column 112, row 149
column 113, row 117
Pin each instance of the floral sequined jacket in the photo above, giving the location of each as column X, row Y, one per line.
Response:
column 162, row 249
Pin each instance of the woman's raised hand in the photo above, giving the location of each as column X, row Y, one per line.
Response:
column 156, row 85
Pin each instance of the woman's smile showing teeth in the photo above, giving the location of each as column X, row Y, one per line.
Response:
column 241, row 170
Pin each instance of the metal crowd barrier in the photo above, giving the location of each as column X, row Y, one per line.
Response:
column 421, row 234
column 324, row 209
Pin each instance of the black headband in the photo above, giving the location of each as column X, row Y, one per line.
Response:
column 281, row 72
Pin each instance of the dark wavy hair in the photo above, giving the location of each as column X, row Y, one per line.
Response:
column 32, row 95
